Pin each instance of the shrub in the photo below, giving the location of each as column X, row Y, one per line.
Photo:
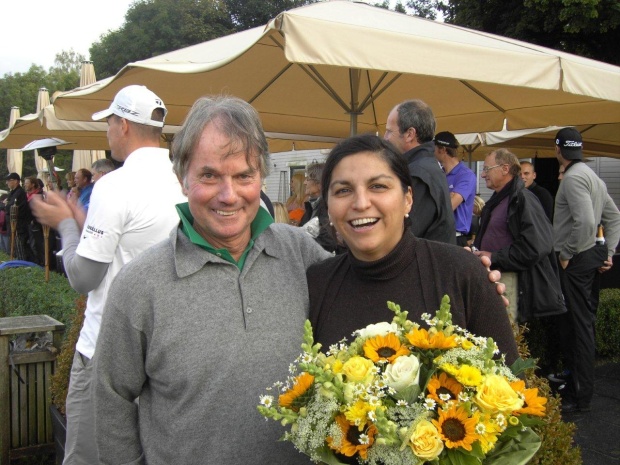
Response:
column 25, row 292
column 60, row 378
column 557, row 445
column 607, row 328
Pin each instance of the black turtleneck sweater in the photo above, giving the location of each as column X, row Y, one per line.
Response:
column 347, row 294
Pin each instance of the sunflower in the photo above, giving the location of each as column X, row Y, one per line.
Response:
column 421, row 338
column 299, row 394
column 353, row 441
column 442, row 385
column 456, row 428
column 532, row 403
column 386, row 347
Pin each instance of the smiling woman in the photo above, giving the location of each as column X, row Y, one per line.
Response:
column 367, row 187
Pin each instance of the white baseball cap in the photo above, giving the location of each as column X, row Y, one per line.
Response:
column 134, row 103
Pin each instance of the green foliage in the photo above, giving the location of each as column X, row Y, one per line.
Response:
column 60, row 379
column 589, row 28
column 25, row 292
column 557, row 445
column 247, row 14
column 607, row 327
column 154, row 27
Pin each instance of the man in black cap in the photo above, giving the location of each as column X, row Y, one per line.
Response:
column 17, row 197
column 581, row 203
column 462, row 184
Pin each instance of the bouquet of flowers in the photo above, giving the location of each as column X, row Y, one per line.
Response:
column 402, row 394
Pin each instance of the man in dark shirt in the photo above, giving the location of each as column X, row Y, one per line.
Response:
column 17, row 197
column 410, row 128
column 528, row 174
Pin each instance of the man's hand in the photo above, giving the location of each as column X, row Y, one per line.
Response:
column 51, row 210
column 607, row 264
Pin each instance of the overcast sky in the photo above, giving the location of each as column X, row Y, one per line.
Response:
column 34, row 31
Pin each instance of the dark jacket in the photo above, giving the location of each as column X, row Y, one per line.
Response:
column 545, row 198
column 531, row 255
column 431, row 216
column 24, row 216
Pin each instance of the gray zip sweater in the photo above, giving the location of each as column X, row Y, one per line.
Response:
column 198, row 341
column 581, row 203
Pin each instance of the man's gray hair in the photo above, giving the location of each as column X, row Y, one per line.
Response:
column 506, row 157
column 105, row 165
column 314, row 171
column 418, row 115
column 234, row 118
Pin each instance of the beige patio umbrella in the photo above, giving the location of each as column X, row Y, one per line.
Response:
column 43, row 100
column 14, row 157
column 85, row 158
column 335, row 68
column 599, row 140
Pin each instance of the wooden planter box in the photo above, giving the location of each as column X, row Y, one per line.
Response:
column 25, row 420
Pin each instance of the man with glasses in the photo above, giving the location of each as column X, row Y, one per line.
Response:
column 410, row 128
column 517, row 236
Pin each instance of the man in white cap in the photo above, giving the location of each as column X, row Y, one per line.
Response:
column 122, row 221
column 581, row 203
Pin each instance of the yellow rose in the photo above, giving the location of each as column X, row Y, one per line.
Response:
column 425, row 441
column 358, row 370
column 495, row 395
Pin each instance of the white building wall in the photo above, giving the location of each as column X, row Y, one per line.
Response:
column 282, row 165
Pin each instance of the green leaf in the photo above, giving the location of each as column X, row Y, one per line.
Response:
column 515, row 451
column 519, row 366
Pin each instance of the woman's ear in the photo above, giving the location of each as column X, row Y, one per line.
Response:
column 408, row 200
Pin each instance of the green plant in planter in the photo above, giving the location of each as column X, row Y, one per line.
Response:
column 557, row 446
column 607, row 328
column 60, row 379
column 25, row 292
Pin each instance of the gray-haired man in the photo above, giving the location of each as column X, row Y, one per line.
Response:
column 121, row 223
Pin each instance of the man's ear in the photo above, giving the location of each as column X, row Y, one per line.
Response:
column 411, row 136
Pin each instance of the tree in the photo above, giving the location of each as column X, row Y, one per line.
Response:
column 247, row 14
column 154, row 27
column 589, row 28
column 22, row 89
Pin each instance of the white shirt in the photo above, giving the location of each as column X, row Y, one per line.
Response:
column 131, row 209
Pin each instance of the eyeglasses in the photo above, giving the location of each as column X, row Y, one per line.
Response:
column 486, row 169
column 389, row 131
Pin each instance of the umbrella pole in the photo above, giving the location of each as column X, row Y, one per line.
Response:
column 46, row 235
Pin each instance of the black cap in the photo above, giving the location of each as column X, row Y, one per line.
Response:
column 13, row 176
column 446, row 139
column 570, row 143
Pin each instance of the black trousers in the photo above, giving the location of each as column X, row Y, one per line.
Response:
column 578, row 332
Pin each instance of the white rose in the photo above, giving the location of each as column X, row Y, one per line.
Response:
column 379, row 329
column 404, row 372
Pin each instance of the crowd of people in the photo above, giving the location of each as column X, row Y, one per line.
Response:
column 23, row 238
column 198, row 292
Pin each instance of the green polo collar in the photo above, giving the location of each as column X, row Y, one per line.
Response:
column 261, row 222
